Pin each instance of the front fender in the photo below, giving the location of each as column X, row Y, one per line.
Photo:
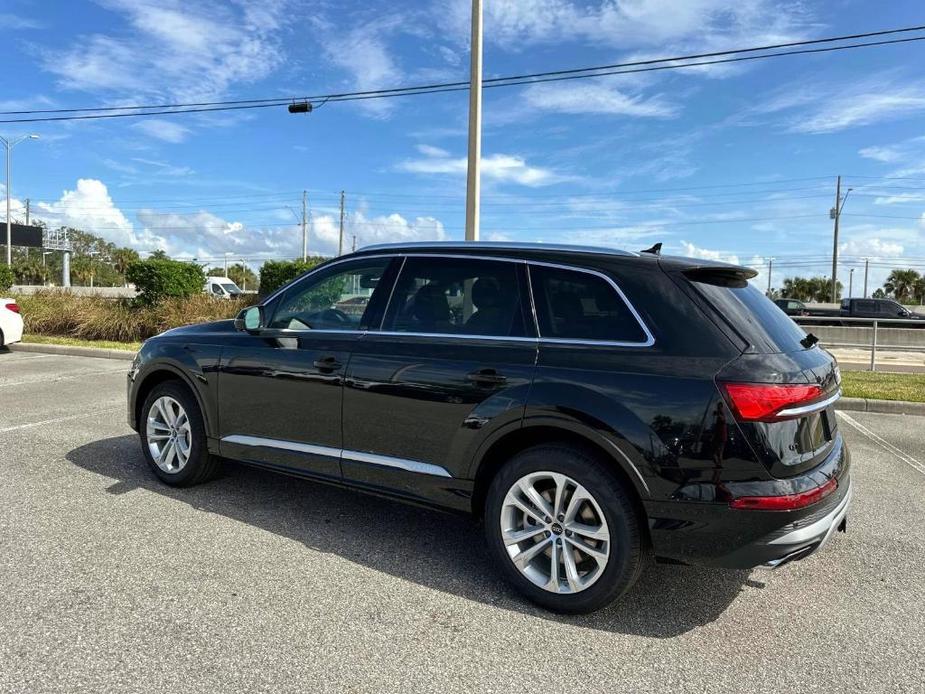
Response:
column 197, row 365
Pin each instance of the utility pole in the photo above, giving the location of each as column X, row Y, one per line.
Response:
column 226, row 264
column 354, row 243
column 835, row 215
column 304, row 226
column 770, row 267
column 27, row 211
column 10, row 144
column 850, row 282
column 340, row 242
column 866, row 268
column 473, row 179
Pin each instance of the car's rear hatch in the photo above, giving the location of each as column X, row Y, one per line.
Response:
column 783, row 387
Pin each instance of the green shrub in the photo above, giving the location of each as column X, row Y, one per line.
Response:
column 62, row 314
column 157, row 279
column 6, row 277
column 275, row 273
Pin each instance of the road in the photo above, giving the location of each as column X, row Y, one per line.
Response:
column 260, row 583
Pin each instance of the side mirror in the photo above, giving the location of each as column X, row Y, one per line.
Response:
column 250, row 320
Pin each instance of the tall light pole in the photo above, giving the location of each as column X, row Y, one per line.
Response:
column 473, row 180
column 850, row 282
column 835, row 213
column 10, row 144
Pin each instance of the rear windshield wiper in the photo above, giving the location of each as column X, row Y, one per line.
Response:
column 809, row 340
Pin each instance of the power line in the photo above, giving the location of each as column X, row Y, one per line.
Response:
column 650, row 65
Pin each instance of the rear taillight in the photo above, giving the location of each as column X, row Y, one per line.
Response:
column 13, row 307
column 765, row 402
column 788, row 502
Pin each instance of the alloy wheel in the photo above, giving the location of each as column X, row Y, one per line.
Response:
column 555, row 532
column 169, row 434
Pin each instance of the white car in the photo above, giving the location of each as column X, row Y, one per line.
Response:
column 10, row 322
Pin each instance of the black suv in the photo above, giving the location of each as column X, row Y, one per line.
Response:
column 592, row 408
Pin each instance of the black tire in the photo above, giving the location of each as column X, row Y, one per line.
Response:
column 628, row 546
column 201, row 465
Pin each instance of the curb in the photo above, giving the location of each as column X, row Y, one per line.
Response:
column 72, row 351
column 881, row 406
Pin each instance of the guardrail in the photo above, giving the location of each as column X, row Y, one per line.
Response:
column 875, row 323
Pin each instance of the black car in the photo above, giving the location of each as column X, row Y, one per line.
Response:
column 792, row 307
column 594, row 409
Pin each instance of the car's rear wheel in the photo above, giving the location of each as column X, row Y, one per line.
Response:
column 564, row 529
column 173, row 436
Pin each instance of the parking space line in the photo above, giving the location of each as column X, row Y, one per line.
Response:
column 30, row 425
column 890, row 448
column 61, row 378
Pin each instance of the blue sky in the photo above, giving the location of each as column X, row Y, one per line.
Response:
column 736, row 162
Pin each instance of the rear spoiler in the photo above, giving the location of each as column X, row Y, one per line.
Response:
column 724, row 275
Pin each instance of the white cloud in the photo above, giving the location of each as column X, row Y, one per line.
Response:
column 208, row 236
column 871, row 246
column 823, row 108
column 884, row 154
column 499, row 167
column 900, row 198
column 693, row 251
column 179, row 50
column 168, row 131
column 15, row 22
column 631, row 23
column 363, row 53
column 598, row 99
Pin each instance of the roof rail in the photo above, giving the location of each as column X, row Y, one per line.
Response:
column 496, row 245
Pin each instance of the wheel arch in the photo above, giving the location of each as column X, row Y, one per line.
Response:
column 161, row 373
column 512, row 443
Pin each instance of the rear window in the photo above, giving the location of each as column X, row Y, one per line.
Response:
column 755, row 317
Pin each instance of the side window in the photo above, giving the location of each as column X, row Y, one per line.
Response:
column 457, row 296
column 574, row 305
column 333, row 300
column 216, row 289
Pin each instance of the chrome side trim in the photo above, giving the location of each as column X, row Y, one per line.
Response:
column 809, row 409
column 400, row 463
column 648, row 342
column 261, row 442
column 822, row 528
column 356, row 456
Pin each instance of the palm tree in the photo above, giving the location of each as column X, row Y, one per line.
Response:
column 122, row 258
column 901, row 284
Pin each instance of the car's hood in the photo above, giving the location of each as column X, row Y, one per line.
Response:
column 209, row 328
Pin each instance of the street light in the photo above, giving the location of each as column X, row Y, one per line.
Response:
column 10, row 144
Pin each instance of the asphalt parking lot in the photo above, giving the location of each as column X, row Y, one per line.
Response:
column 260, row 583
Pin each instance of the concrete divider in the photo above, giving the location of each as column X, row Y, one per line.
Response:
column 886, row 337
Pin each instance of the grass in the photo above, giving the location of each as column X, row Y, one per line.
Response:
column 75, row 342
column 60, row 314
column 881, row 385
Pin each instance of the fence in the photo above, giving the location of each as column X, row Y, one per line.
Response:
column 909, row 336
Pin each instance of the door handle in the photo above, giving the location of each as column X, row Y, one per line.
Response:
column 486, row 377
column 327, row 364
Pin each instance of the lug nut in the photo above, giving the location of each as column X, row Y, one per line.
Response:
column 568, row 533
column 561, row 517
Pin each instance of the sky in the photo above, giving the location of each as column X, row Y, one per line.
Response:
column 736, row 162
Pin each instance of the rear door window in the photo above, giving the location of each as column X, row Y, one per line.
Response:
column 577, row 305
column 751, row 314
column 458, row 296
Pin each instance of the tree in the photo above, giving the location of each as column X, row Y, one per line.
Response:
column 813, row 289
column 122, row 258
column 158, row 279
column 879, row 294
column 901, row 285
column 242, row 276
column 159, row 254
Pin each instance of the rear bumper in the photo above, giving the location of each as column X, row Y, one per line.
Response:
column 801, row 542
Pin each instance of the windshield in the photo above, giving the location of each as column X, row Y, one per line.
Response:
column 230, row 287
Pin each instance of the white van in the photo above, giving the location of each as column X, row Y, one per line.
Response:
column 221, row 288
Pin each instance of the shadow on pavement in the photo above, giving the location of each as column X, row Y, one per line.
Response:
column 441, row 551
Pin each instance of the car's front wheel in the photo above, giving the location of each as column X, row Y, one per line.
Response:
column 173, row 436
column 564, row 529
